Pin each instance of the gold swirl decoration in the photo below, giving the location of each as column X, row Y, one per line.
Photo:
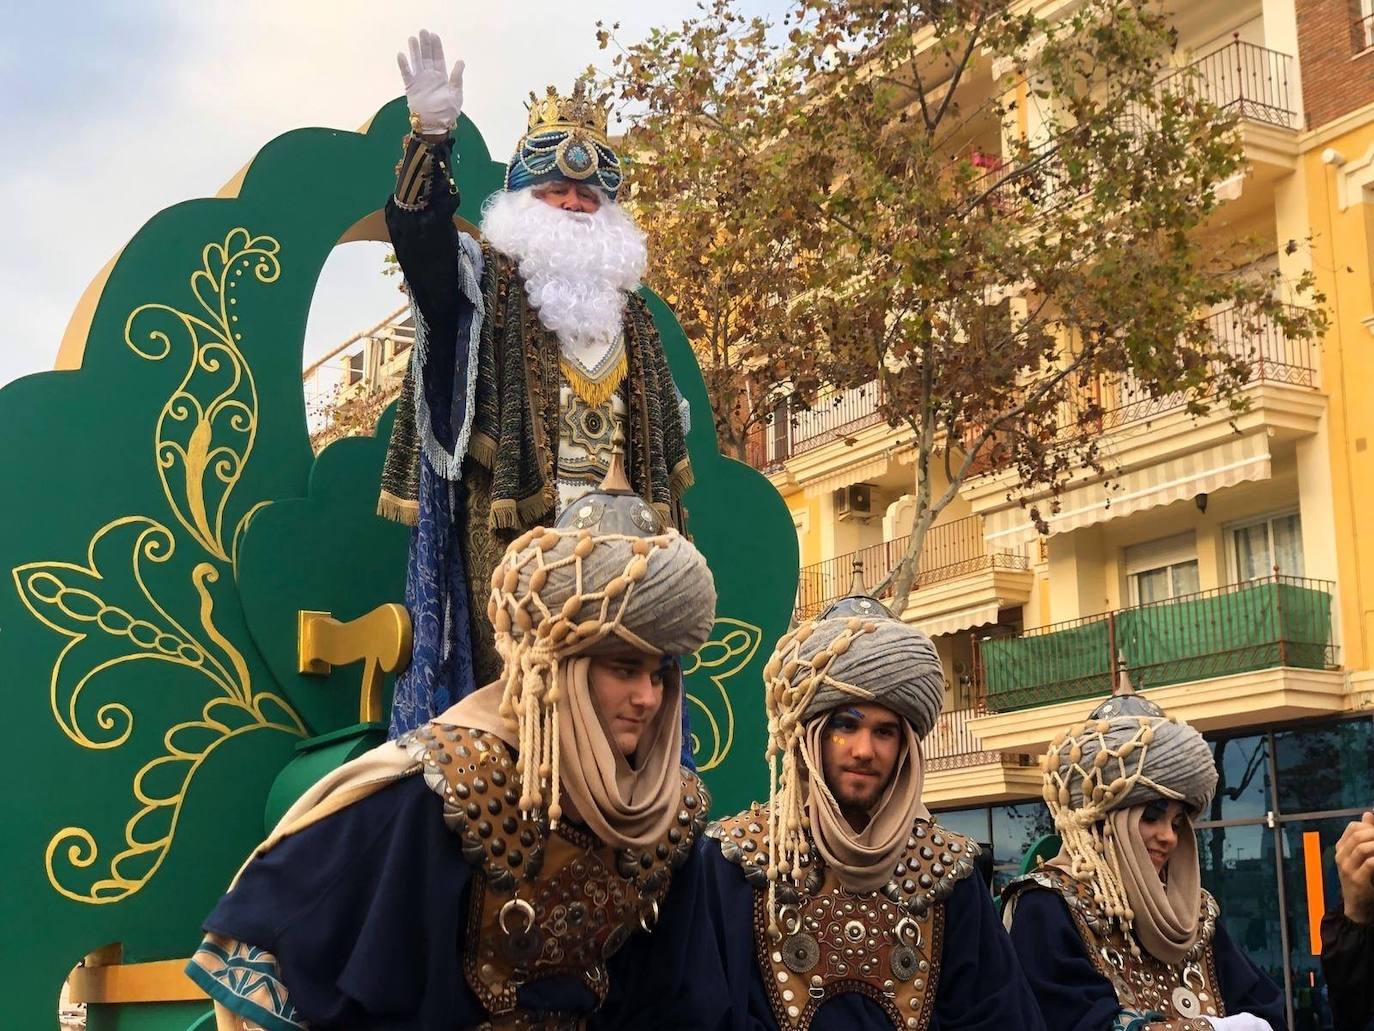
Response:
column 731, row 648
column 206, row 429
column 111, row 609
column 110, row 616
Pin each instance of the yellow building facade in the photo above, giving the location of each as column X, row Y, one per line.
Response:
column 1227, row 567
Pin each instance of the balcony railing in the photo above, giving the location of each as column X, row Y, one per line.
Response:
column 949, row 550
column 951, row 745
column 1260, row 624
column 1108, row 404
column 1362, row 33
column 835, row 415
column 1249, row 79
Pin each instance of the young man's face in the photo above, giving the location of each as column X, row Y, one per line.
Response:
column 568, row 196
column 859, row 750
column 628, row 690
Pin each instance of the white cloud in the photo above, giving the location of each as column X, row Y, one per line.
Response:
column 107, row 124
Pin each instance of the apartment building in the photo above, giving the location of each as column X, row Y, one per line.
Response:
column 1227, row 568
column 347, row 388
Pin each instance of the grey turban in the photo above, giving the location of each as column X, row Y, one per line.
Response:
column 1139, row 754
column 672, row 595
column 896, row 662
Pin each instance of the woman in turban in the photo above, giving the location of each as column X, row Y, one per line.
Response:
column 1116, row 933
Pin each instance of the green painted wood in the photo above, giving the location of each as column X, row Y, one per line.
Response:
column 147, row 622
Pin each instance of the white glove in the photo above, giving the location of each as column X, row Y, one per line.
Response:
column 435, row 96
column 1240, row 1022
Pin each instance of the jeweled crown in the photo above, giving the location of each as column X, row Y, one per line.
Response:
column 576, row 113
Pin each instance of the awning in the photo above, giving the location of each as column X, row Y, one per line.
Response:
column 1151, row 486
column 855, row 473
column 953, row 622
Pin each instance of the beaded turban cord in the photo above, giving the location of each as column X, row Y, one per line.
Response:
column 854, row 652
column 566, row 139
column 1127, row 753
column 609, row 575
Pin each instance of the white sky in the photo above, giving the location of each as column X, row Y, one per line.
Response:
column 111, row 110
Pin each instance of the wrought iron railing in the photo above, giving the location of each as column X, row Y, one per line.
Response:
column 1252, row 80
column 1362, row 32
column 1107, row 404
column 835, row 415
column 949, row 550
column 951, row 745
column 1260, row 624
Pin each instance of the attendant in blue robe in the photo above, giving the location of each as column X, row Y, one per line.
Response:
column 530, row 859
column 877, row 918
column 1116, row 933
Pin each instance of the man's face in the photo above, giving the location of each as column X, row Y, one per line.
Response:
column 859, row 750
column 627, row 689
column 568, row 196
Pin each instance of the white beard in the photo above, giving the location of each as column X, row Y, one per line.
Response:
column 578, row 268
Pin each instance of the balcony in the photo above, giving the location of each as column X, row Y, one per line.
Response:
column 1241, row 655
column 950, row 551
column 1261, row 624
column 959, row 771
column 836, row 415
column 1113, row 403
column 1253, row 81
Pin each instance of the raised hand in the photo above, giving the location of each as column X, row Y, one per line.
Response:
column 1355, row 865
column 434, row 94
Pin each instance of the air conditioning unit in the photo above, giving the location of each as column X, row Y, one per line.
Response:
column 854, row 501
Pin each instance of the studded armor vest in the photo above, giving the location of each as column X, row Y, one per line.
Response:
column 1181, row 994
column 885, row 944
column 544, row 902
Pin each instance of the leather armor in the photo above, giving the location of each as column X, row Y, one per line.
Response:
column 544, row 902
column 1183, row 993
column 885, row 944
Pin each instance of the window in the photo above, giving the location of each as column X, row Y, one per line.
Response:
column 1257, row 549
column 354, row 366
column 1364, row 25
column 1162, row 569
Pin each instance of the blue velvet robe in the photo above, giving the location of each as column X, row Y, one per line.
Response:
column 366, row 913
column 1073, row 996
column 981, row 987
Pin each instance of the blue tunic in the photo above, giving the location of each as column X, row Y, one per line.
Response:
column 981, row 987
column 1075, row 997
column 366, row 914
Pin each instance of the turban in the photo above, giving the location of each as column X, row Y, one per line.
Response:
column 607, row 576
column 1099, row 776
column 566, row 140
column 856, row 652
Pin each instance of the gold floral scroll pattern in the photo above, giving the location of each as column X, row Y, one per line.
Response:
column 110, row 614
column 731, row 648
column 206, row 429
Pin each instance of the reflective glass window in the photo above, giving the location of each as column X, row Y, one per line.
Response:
column 1015, row 830
column 1326, row 767
column 1243, row 790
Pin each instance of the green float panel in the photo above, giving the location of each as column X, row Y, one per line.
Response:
column 166, row 521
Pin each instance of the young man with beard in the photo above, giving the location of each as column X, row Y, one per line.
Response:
column 493, row 870
column 535, row 361
column 841, row 904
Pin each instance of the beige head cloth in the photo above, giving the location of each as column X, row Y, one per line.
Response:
column 1098, row 776
column 855, row 652
column 608, row 575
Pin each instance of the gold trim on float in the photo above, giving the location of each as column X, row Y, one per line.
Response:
column 161, row 981
column 381, row 640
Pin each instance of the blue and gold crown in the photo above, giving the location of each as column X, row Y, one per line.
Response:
column 566, row 139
